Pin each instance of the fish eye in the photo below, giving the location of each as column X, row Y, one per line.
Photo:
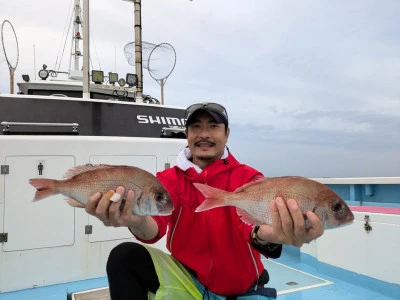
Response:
column 158, row 196
column 336, row 206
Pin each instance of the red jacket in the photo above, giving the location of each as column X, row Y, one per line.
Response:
column 214, row 243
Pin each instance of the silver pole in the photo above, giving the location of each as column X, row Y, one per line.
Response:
column 86, row 43
column 138, row 49
column 162, row 82
column 12, row 70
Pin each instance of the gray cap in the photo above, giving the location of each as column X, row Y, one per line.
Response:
column 217, row 111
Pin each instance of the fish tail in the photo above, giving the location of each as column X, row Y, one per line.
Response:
column 214, row 197
column 44, row 188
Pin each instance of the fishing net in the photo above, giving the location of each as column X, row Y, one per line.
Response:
column 159, row 59
column 9, row 45
column 10, row 50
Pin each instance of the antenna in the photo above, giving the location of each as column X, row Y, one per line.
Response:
column 34, row 60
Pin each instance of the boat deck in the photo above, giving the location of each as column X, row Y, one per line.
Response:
column 305, row 278
column 293, row 279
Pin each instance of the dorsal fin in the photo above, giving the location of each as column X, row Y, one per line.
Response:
column 240, row 189
column 82, row 169
column 281, row 178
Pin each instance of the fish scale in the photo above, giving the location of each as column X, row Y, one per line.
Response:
column 252, row 200
column 79, row 183
column 84, row 190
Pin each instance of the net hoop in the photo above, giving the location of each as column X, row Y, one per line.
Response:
column 10, row 65
column 160, row 46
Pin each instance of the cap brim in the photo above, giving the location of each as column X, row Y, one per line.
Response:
column 217, row 117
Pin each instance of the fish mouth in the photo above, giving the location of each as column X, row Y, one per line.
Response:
column 166, row 210
column 165, row 213
column 337, row 225
column 349, row 222
column 148, row 210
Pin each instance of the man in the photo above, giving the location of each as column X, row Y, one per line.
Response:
column 214, row 254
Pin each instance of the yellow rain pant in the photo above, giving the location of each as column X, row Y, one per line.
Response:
column 175, row 281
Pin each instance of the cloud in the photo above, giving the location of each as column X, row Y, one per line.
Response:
column 334, row 129
column 315, row 153
column 312, row 82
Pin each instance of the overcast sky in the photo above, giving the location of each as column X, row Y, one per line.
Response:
column 312, row 87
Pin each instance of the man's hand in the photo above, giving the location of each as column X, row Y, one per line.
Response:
column 112, row 211
column 116, row 214
column 288, row 224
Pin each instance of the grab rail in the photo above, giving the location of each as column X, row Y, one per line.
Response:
column 6, row 125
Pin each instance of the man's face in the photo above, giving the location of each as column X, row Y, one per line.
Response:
column 206, row 139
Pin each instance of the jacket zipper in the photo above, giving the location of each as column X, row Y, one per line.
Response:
column 173, row 231
column 255, row 265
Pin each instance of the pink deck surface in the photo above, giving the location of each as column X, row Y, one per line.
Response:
column 377, row 209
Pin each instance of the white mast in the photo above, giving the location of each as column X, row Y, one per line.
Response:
column 76, row 33
column 75, row 71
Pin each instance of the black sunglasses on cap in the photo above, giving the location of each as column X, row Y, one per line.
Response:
column 217, row 111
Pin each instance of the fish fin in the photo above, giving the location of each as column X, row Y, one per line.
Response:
column 82, row 169
column 214, row 197
column 75, row 203
column 245, row 217
column 44, row 188
column 241, row 188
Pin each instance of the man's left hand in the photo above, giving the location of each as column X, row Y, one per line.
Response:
column 289, row 226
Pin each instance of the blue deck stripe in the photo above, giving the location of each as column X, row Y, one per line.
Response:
column 345, row 285
column 56, row 291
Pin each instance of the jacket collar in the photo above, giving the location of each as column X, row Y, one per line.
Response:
column 183, row 161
